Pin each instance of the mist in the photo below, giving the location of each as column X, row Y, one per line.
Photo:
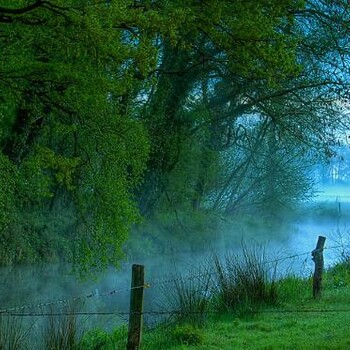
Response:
column 42, row 288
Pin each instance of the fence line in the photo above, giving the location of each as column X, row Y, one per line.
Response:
column 68, row 300
column 154, row 313
column 214, row 272
column 147, row 285
column 172, row 312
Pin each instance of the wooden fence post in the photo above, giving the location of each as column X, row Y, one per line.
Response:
column 136, row 307
column 317, row 257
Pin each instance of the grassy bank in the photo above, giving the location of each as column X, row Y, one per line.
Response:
column 299, row 323
column 247, row 308
column 291, row 320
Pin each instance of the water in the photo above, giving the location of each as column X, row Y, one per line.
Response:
column 33, row 285
column 328, row 216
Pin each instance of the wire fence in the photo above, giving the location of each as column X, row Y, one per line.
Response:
column 21, row 311
column 172, row 312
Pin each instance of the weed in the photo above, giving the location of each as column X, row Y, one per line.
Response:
column 189, row 298
column 98, row 339
column 244, row 282
column 61, row 331
column 292, row 289
column 13, row 335
column 187, row 334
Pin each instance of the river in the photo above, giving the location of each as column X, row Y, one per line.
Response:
column 51, row 288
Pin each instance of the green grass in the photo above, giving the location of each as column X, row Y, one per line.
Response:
column 296, row 322
column 293, row 320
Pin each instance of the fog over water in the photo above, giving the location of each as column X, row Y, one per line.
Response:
column 327, row 215
column 329, row 218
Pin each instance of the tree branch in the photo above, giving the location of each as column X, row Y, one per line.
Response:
column 19, row 11
column 6, row 14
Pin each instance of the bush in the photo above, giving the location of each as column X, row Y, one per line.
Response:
column 339, row 275
column 98, row 339
column 95, row 339
column 187, row 334
column 244, row 282
column 293, row 289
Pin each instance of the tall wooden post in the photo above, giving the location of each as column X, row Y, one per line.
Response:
column 136, row 307
column 317, row 257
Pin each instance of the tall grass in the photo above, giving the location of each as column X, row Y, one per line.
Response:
column 188, row 298
column 235, row 283
column 245, row 281
column 13, row 334
column 61, row 331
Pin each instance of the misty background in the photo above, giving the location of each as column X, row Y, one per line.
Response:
column 156, row 133
column 292, row 233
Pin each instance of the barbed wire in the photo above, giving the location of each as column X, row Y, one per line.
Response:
column 215, row 272
column 207, row 273
column 336, row 246
column 69, row 300
column 33, row 314
column 172, row 312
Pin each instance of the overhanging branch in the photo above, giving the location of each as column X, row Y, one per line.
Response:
column 19, row 11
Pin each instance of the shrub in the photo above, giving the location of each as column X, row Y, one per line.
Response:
column 244, row 282
column 339, row 275
column 95, row 339
column 293, row 289
column 98, row 339
column 187, row 334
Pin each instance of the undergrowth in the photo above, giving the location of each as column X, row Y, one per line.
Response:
column 13, row 334
column 244, row 282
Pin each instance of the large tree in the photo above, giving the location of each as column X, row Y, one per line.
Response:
column 71, row 150
column 73, row 78
column 244, row 129
column 95, row 95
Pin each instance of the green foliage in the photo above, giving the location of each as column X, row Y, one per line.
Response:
column 7, row 192
column 297, row 321
column 338, row 276
column 182, row 109
column 172, row 231
column 98, row 339
column 245, row 282
column 71, row 141
column 293, row 289
column 187, row 334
